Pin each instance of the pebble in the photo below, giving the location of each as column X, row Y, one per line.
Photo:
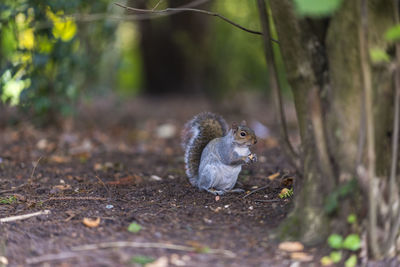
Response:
column 109, row 206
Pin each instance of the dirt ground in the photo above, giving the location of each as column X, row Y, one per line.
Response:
column 118, row 164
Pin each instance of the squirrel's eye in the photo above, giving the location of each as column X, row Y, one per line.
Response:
column 242, row 134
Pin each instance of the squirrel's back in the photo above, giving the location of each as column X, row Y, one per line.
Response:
column 196, row 134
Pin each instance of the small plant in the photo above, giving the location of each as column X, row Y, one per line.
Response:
column 142, row 260
column 352, row 243
column 285, row 193
column 134, row 227
column 8, row 200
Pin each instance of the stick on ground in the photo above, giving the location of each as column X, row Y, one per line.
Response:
column 23, row 217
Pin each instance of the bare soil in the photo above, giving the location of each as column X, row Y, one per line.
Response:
column 124, row 164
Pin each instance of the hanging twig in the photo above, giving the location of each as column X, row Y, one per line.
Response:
column 169, row 10
column 274, row 83
column 369, row 119
column 107, row 16
column 23, row 217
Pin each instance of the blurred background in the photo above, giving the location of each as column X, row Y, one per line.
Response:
column 57, row 54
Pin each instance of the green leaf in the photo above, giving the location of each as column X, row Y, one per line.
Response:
column 316, row 8
column 335, row 241
column 352, row 218
column 143, row 260
column 351, row 262
column 393, row 33
column 352, row 242
column 378, row 55
column 134, row 227
column 336, row 256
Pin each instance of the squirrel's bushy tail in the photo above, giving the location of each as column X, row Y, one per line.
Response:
column 196, row 134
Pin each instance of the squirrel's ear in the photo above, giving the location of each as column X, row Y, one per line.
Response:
column 243, row 123
column 235, row 126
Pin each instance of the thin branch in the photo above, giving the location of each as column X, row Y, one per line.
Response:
column 123, row 244
column 170, row 10
column 320, row 136
column 34, row 168
column 106, row 16
column 52, row 257
column 74, row 198
column 274, row 83
column 256, row 190
column 369, row 119
column 158, row 3
column 23, row 217
column 394, row 222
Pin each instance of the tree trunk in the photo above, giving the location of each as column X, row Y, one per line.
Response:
column 173, row 49
column 322, row 60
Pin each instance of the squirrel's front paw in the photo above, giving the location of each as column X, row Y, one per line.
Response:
column 252, row 158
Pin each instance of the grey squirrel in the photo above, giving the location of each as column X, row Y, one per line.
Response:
column 214, row 154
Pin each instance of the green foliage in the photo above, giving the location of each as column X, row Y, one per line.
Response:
column 286, row 193
column 378, row 55
column 335, row 241
column 316, row 8
column 342, row 191
column 335, row 256
column 45, row 56
column 393, row 33
column 352, row 218
column 238, row 60
column 351, row 261
column 8, row 200
column 134, row 227
column 352, row 242
column 142, row 260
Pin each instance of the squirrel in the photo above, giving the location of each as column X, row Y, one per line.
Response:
column 214, row 154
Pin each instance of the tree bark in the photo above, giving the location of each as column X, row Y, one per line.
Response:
column 322, row 60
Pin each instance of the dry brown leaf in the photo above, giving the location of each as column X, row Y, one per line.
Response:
column 273, row 176
column 91, row 222
column 62, row 187
column 59, row 159
column 287, row 182
column 291, row 246
column 301, row 256
column 131, row 179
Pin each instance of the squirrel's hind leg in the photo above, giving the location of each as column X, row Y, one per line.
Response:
column 216, row 192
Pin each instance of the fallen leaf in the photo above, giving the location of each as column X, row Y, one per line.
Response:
column 142, row 260
column 62, row 187
column 59, row 159
column 131, row 179
column 301, row 256
column 155, row 178
column 3, row 260
column 287, row 182
column 91, row 222
column 291, row 246
column 166, row 131
column 176, row 260
column 273, row 176
column 326, row 261
column 134, row 227
column 160, row 262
